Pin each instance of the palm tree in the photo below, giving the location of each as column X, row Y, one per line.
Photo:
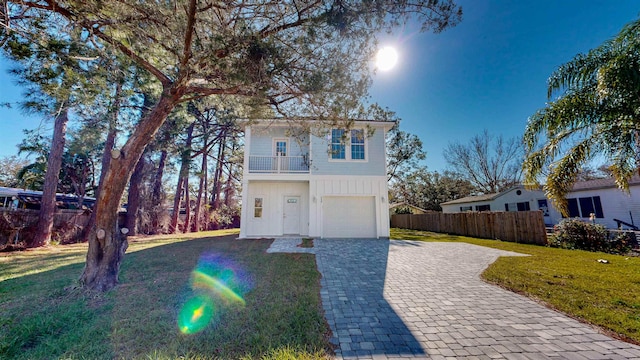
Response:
column 596, row 112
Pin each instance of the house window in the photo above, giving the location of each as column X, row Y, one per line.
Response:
column 465, row 208
column 572, row 206
column 591, row 205
column 357, row 144
column 483, row 207
column 280, row 147
column 356, row 148
column 257, row 207
column 521, row 206
column 585, row 206
column 338, row 149
column 543, row 206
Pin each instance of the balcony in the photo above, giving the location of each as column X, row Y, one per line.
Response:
column 278, row 164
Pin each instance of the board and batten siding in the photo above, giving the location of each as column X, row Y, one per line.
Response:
column 262, row 141
column 346, row 186
column 273, row 194
column 374, row 163
column 616, row 204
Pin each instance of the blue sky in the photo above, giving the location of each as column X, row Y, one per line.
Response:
column 489, row 72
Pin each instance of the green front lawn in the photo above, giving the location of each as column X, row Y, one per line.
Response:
column 42, row 314
column 572, row 281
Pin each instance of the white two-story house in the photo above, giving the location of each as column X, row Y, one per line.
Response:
column 329, row 183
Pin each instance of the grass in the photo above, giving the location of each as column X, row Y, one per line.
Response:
column 45, row 316
column 306, row 243
column 571, row 281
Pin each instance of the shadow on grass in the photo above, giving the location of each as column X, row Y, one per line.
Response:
column 42, row 319
column 354, row 273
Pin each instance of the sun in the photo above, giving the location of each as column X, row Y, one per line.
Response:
column 386, row 58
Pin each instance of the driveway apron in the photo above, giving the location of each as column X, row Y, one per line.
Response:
column 407, row 299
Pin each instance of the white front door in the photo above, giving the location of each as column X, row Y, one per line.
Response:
column 291, row 215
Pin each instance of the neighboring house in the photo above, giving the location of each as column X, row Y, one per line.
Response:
column 515, row 199
column 328, row 183
column 404, row 208
column 610, row 205
column 603, row 198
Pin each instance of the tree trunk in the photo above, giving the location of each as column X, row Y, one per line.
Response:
column 175, row 215
column 106, row 157
column 106, row 245
column 217, row 186
column 201, row 188
column 182, row 180
column 133, row 199
column 156, row 195
column 54, row 163
column 187, row 207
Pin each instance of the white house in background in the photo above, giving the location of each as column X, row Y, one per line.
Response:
column 515, row 199
column 329, row 184
column 611, row 206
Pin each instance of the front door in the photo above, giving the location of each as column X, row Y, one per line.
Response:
column 291, row 215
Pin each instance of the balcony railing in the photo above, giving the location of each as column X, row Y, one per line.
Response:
column 278, row 164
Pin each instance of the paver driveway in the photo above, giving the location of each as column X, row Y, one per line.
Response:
column 405, row 299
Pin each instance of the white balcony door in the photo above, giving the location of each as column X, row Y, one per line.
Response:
column 291, row 215
column 280, row 147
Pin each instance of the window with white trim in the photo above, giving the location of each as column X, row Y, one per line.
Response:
column 338, row 148
column 257, row 207
column 280, row 147
column 348, row 145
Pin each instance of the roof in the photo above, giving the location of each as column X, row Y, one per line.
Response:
column 477, row 198
column 485, row 197
column 296, row 121
column 602, row 183
column 578, row 186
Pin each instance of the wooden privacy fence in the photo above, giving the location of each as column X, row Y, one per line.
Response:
column 514, row 226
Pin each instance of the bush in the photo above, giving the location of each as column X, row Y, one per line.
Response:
column 577, row 234
column 622, row 243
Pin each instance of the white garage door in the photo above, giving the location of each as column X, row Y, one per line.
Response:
column 348, row 216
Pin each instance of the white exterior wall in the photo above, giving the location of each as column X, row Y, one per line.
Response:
column 323, row 186
column 327, row 179
column 273, row 194
column 510, row 197
column 374, row 163
column 616, row 204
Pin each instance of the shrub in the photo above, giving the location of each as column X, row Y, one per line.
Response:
column 622, row 243
column 576, row 234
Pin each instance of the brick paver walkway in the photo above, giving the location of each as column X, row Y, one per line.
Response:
column 405, row 299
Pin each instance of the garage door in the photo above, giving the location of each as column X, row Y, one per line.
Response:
column 348, row 216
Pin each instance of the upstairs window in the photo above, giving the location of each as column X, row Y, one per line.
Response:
column 357, row 144
column 280, row 147
column 338, row 148
column 349, row 145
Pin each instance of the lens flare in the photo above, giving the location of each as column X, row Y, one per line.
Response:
column 195, row 314
column 218, row 284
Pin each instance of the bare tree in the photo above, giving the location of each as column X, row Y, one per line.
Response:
column 492, row 164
